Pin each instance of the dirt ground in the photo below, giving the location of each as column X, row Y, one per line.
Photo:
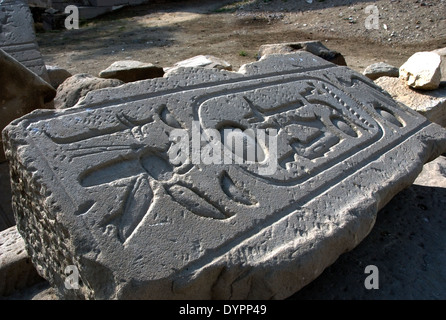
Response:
column 164, row 32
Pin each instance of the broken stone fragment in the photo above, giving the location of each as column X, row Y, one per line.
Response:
column 201, row 61
column 431, row 104
column 21, row 92
column 76, row 87
column 380, row 69
column 422, row 71
column 314, row 47
column 130, row 71
column 111, row 200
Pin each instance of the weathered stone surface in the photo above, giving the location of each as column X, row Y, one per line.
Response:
column 107, row 199
column 76, row 87
column 57, row 75
column 129, row 71
column 314, row 47
column 21, row 91
column 17, row 37
column 442, row 53
column 201, row 61
column 431, row 104
column 16, row 270
column 422, row 71
column 380, row 69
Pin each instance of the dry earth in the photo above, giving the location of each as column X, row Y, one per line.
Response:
column 407, row 242
column 164, row 32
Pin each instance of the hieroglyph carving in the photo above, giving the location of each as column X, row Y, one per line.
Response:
column 126, row 178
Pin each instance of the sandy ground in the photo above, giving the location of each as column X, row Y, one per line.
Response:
column 164, row 32
column 407, row 243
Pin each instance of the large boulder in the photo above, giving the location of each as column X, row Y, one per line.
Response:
column 141, row 193
column 76, row 87
column 130, row 71
column 22, row 91
column 422, row 71
column 314, row 47
column 431, row 104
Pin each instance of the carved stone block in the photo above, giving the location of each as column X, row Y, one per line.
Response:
column 17, row 37
column 98, row 186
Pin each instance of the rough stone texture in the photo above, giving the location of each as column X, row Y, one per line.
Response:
column 442, row 53
column 431, row 104
column 129, row 71
column 106, row 199
column 76, row 87
column 6, row 214
column 314, row 47
column 201, row 61
column 57, row 75
column 17, row 36
column 21, row 91
column 380, row 69
column 422, row 71
column 16, row 270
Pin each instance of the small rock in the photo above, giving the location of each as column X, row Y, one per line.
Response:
column 314, row 47
column 77, row 86
column 431, row 104
column 422, row 71
column 200, row 61
column 57, row 75
column 380, row 69
column 130, row 71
